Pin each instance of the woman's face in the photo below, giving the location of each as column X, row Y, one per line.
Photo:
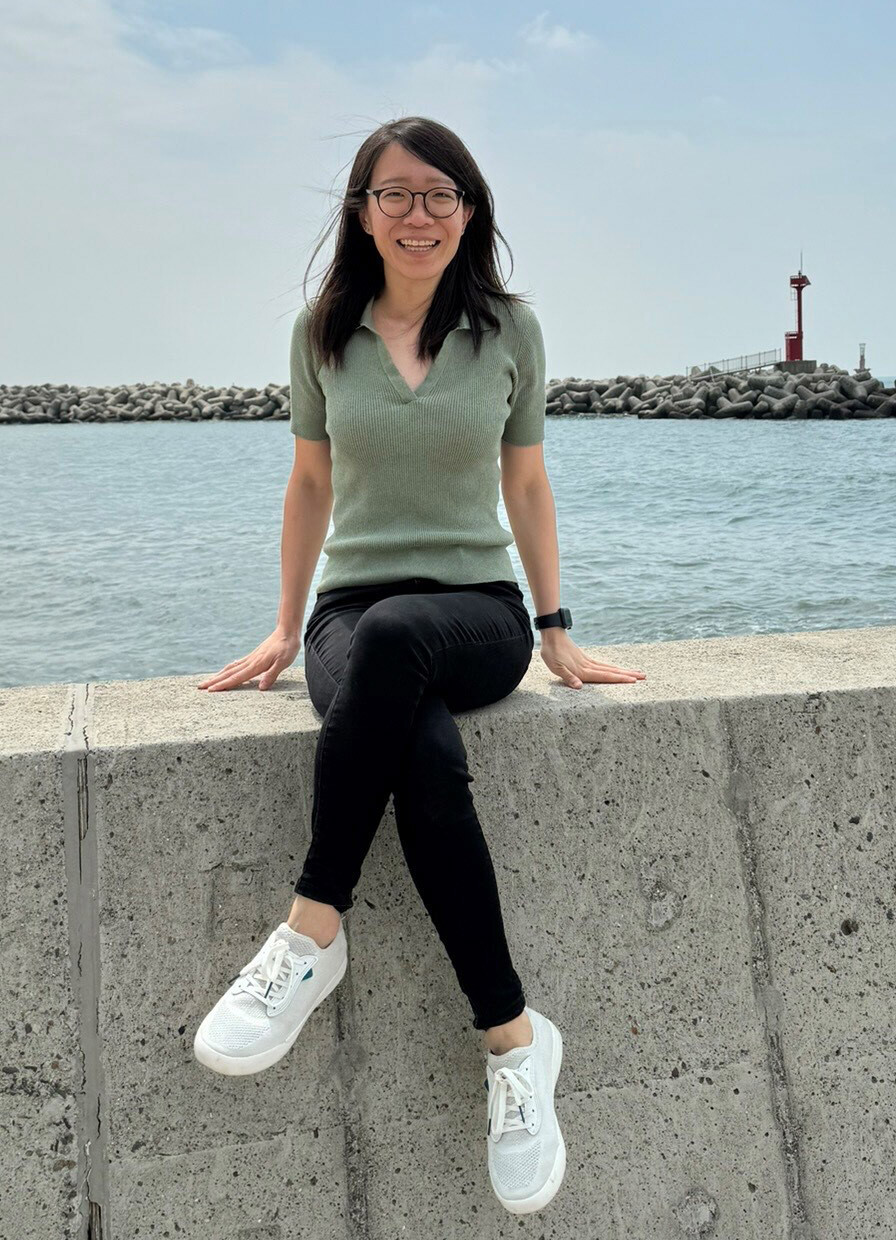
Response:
column 396, row 166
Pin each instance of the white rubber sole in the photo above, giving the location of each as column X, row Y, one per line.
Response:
column 548, row 1190
column 245, row 1065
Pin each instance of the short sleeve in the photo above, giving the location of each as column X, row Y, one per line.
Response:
column 307, row 402
column 525, row 422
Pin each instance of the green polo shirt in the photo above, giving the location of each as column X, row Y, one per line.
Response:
column 416, row 474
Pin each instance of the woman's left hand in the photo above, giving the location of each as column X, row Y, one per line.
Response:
column 573, row 666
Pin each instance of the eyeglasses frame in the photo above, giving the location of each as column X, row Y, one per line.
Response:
column 414, row 193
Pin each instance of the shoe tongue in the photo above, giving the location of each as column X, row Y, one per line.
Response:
column 299, row 943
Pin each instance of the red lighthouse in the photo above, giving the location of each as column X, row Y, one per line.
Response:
column 793, row 341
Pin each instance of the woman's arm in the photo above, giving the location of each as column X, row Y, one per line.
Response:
column 532, row 513
column 529, row 501
column 306, row 517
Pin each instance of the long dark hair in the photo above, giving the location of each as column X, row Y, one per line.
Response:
column 356, row 272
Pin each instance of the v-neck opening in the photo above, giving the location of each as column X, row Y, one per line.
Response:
column 396, row 378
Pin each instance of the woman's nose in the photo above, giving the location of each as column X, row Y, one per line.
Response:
column 419, row 214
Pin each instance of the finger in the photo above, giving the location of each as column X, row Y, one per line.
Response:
column 215, row 681
column 266, row 675
column 611, row 667
column 607, row 677
column 569, row 676
column 267, row 678
column 212, row 680
column 235, row 678
column 571, row 682
column 230, row 683
column 231, row 667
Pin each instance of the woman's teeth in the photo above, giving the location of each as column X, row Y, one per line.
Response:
column 417, row 245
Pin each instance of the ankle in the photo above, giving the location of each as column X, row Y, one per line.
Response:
column 323, row 938
column 517, row 1032
column 319, row 921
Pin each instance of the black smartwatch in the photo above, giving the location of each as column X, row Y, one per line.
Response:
column 561, row 619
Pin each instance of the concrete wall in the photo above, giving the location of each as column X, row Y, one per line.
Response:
column 698, row 876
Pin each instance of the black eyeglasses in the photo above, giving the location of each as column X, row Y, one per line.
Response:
column 438, row 202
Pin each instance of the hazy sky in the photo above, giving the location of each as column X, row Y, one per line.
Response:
column 656, row 169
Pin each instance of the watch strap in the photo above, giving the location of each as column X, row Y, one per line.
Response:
column 560, row 619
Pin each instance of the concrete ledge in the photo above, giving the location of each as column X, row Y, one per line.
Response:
column 698, row 878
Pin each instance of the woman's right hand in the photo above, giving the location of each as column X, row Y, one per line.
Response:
column 266, row 662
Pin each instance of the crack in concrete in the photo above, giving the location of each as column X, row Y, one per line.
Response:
column 357, row 1156
column 735, row 791
column 83, row 928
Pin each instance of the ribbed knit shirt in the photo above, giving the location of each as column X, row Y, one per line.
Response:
column 415, row 473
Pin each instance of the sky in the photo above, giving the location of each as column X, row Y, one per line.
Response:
column 657, row 169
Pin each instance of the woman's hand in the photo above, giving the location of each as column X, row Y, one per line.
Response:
column 573, row 666
column 266, row 661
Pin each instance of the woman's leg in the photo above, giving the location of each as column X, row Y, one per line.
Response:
column 451, row 866
column 370, row 666
column 325, row 663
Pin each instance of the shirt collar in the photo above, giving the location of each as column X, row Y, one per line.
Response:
column 367, row 318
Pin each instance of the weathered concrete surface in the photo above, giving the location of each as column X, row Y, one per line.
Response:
column 42, row 1090
column 698, row 879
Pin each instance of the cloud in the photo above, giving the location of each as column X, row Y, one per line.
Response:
column 164, row 193
column 165, row 188
column 447, row 61
column 556, row 38
column 183, row 47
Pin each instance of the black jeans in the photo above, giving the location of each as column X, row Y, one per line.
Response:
column 386, row 665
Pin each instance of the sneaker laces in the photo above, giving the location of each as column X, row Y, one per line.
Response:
column 267, row 977
column 500, row 1118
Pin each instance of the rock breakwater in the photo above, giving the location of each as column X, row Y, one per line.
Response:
column 827, row 392
column 145, row 402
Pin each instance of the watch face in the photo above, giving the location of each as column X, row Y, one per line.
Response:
column 566, row 617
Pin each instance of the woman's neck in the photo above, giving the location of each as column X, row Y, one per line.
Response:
column 404, row 305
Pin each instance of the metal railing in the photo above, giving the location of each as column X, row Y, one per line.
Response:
column 732, row 365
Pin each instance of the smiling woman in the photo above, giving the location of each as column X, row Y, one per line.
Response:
column 412, row 374
column 417, row 236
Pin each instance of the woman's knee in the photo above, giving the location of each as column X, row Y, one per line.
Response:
column 435, row 758
column 389, row 624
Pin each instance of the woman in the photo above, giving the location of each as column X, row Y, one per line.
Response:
column 409, row 376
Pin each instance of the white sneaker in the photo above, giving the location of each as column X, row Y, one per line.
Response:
column 526, row 1150
column 258, row 1018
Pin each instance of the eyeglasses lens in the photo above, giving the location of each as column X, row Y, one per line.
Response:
column 438, row 202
